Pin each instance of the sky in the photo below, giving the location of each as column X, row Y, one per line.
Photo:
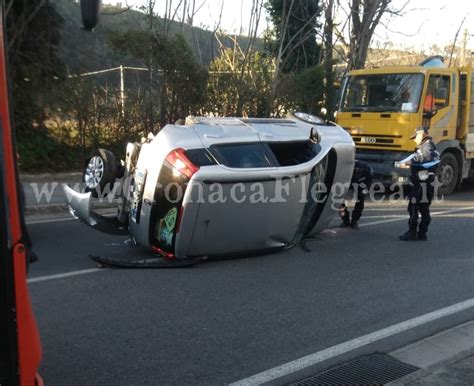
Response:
column 428, row 22
column 422, row 24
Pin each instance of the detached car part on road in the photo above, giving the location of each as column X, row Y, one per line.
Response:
column 223, row 186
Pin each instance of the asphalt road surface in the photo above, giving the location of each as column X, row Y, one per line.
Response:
column 226, row 320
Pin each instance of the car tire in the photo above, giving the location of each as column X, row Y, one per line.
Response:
column 100, row 172
column 120, row 170
column 447, row 174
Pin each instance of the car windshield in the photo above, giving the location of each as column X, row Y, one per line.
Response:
column 383, row 93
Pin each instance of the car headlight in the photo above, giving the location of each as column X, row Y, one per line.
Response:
column 401, row 165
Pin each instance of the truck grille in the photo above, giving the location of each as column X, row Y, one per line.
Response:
column 385, row 141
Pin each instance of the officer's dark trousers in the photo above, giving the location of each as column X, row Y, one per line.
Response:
column 420, row 198
column 416, row 208
column 359, row 205
column 359, row 197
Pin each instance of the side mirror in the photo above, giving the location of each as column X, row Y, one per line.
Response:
column 430, row 114
column 314, row 136
column 90, row 11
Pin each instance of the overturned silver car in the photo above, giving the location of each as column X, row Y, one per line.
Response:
column 224, row 186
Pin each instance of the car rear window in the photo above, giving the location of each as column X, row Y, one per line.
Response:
column 248, row 155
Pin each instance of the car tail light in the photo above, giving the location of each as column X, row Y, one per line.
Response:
column 181, row 163
column 163, row 253
column 177, row 170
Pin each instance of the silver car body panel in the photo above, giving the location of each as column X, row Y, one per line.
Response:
column 80, row 207
column 220, row 131
column 213, row 228
column 149, row 162
column 345, row 153
column 234, row 227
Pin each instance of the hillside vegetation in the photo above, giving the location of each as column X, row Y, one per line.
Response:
column 84, row 52
column 71, row 95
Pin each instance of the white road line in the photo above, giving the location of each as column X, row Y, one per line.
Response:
column 92, row 270
column 32, row 222
column 437, row 213
column 61, row 219
column 331, row 352
column 65, row 274
column 386, row 209
column 388, row 216
column 452, row 210
column 368, row 224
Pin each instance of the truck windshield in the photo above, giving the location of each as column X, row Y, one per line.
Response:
column 383, row 92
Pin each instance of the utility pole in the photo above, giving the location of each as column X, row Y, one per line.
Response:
column 454, row 42
column 328, row 60
column 462, row 59
column 122, row 92
column 151, row 5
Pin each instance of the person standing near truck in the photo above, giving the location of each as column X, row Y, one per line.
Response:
column 362, row 177
column 423, row 164
column 429, row 103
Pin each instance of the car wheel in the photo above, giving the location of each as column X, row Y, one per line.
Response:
column 100, row 172
column 447, row 173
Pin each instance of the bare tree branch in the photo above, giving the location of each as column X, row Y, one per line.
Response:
column 454, row 42
column 24, row 23
column 216, row 28
column 117, row 12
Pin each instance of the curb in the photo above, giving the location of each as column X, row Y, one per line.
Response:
column 417, row 375
column 34, row 210
column 436, row 353
column 50, row 177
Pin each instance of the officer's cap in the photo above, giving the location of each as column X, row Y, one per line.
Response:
column 423, row 130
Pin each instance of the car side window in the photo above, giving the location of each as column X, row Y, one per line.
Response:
column 293, row 153
column 249, row 155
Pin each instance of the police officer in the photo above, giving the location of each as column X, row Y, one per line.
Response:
column 423, row 164
column 360, row 183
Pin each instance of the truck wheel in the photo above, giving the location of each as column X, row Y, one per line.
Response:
column 100, row 172
column 448, row 174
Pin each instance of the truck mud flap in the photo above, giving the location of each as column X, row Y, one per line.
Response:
column 79, row 207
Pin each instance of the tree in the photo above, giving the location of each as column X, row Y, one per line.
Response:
column 239, row 83
column 328, row 58
column 245, row 74
column 363, row 17
column 292, row 40
column 180, row 80
column 300, row 91
column 295, row 27
column 33, row 37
